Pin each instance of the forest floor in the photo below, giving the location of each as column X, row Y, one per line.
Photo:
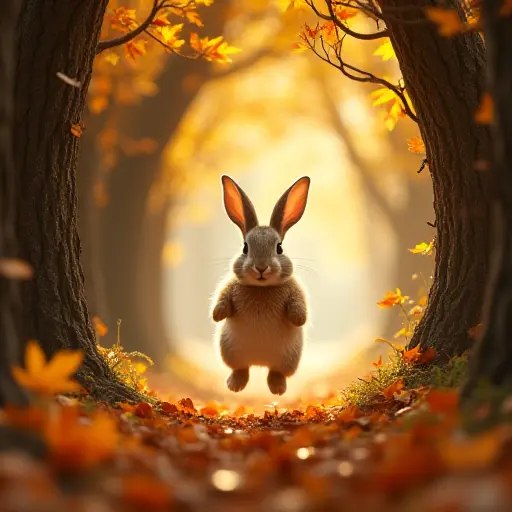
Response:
column 398, row 446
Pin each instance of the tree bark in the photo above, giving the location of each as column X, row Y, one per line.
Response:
column 59, row 36
column 444, row 78
column 491, row 359
column 11, row 347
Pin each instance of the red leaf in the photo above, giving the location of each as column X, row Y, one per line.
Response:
column 144, row 410
column 168, row 408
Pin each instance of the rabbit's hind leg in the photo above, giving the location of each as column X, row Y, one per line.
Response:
column 276, row 382
column 238, row 379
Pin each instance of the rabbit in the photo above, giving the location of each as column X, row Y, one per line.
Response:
column 262, row 307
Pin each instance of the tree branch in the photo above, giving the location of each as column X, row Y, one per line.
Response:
column 118, row 41
column 357, row 35
column 362, row 76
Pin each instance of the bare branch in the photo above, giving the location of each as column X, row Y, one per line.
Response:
column 364, row 37
column 359, row 75
column 118, row 41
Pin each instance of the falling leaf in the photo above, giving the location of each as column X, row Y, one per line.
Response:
column 447, row 20
column 47, row 378
column 14, row 268
column 396, row 387
column 423, row 248
column 485, row 112
column 99, row 326
column 392, row 299
column 416, row 145
column 112, row 57
column 385, row 50
column 70, row 81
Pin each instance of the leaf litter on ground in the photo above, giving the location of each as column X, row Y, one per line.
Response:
column 397, row 445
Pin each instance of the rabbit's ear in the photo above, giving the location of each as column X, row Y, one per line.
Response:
column 238, row 206
column 290, row 207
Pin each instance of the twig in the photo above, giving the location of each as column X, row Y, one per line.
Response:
column 118, row 41
column 364, row 37
column 432, row 224
column 423, row 164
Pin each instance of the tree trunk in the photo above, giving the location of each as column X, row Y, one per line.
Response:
column 11, row 347
column 59, row 36
column 444, row 78
column 492, row 357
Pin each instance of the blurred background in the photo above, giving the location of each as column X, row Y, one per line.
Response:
column 161, row 130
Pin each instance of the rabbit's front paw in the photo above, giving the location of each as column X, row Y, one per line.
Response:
column 297, row 315
column 222, row 310
column 238, row 379
column 276, row 382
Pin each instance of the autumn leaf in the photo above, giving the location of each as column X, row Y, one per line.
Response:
column 14, row 268
column 168, row 408
column 485, row 112
column 212, row 49
column 416, row 145
column 77, row 130
column 392, row 299
column 378, row 364
column 426, row 357
column 349, row 414
column 144, row 410
column 76, row 446
column 385, row 51
column 443, row 401
column 412, row 355
column 423, row 248
column 99, row 326
column 396, row 387
column 447, row 20
column 134, row 49
column 112, row 58
column 47, row 378
column 170, row 37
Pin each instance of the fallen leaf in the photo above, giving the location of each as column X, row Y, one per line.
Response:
column 396, row 387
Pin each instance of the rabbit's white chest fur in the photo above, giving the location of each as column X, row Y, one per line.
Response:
column 259, row 333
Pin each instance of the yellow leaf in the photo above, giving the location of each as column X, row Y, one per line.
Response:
column 48, row 378
column 392, row 299
column 422, row 248
column 447, row 20
column 382, row 95
column 416, row 145
column 385, row 50
column 485, row 112
column 112, row 57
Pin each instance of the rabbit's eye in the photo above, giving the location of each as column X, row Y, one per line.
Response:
column 246, row 248
column 279, row 249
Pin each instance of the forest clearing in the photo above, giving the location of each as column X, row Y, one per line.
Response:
column 166, row 344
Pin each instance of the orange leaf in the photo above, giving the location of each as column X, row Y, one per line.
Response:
column 429, row 355
column 349, row 414
column 168, row 408
column 392, row 299
column 378, row 364
column 412, row 355
column 396, row 387
column 442, row 401
column 144, row 410
column 447, row 20
column 76, row 130
column 13, row 268
column 485, row 112
column 99, row 326
column 416, row 145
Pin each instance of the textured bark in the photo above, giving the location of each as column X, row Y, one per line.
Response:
column 11, row 347
column 444, row 78
column 492, row 358
column 58, row 36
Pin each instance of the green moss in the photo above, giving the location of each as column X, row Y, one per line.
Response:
column 364, row 391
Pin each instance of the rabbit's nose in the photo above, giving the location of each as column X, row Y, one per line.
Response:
column 261, row 269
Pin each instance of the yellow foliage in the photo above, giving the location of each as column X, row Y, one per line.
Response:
column 385, row 50
column 447, row 20
column 48, row 378
column 416, row 145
